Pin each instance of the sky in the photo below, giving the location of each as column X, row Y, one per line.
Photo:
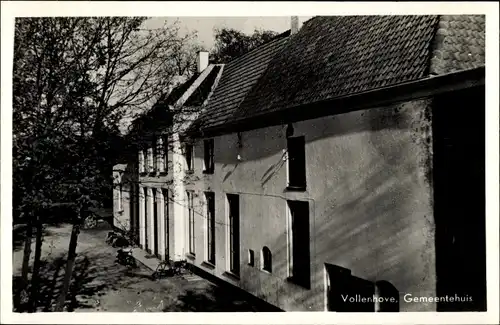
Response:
column 205, row 25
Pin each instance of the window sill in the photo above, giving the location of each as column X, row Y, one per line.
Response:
column 231, row 275
column 191, row 256
column 208, row 172
column 208, row 264
column 152, row 174
column 266, row 271
column 296, row 188
column 163, row 173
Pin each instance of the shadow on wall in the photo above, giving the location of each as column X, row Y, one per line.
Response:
column 374, row 203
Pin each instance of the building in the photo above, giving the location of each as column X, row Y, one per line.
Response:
column 337, row 161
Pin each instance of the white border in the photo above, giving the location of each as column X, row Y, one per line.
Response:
column 12, row 9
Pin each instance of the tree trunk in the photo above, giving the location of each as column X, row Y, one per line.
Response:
column 35, row 277
column 69, row 266
column 27, row 253
column 22, row 292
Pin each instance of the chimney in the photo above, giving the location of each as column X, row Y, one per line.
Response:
column 202, row 60
column 295, row 24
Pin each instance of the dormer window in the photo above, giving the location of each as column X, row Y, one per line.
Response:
column 208, row 146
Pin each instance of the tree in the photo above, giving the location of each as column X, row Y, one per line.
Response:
column 230, row 43
column 74, row 80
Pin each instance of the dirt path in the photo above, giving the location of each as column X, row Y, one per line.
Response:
column 100, row 284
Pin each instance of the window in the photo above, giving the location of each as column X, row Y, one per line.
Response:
column 166, row 224
column 296, row 163
column 189, row 157
column 298, row 242
column 267, row 259
column 160, row 165
column 234, row 233
column 150, row 160
column 119, row 198
column 191, row 235
column 208, row 146
column 141, row 162
column 251, row 257
column 210, row 198
column 155, row 156
column 165, row 154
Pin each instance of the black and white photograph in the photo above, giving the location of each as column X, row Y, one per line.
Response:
column 334, row 164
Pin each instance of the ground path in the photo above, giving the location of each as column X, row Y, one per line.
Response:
column 100, row 284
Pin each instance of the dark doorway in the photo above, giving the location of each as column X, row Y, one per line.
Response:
column 459, row 199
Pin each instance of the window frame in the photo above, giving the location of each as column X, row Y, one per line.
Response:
column 165, row 154
column 119, row 198
column 298, row 275
column 210, row 234
column 266, row 259
column 150, row 160
column 154, row 150
column 208, row 156
column 296, row 165
column 191, row 223
column 233, row 233
column 189, row 156
column 251, row 257
column 142, row 161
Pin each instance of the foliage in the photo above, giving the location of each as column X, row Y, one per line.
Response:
column 75, row 80
column 230, row 43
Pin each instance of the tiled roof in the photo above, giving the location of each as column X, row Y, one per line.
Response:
column 459, row 43
column 341, row 55
column 238, row 77
column 176, row 93
column 201, row 92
